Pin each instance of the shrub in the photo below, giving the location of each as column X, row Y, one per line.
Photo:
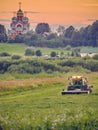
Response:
column 29, row 52
column 4, row 66
column 16, row 57
column 95, row 57
column 38, row 53
column 68, row 47
column 4, row 54
column 24, row 68
column 53, row 54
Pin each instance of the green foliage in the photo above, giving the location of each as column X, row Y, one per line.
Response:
column 16, row 57
column 51, row 65
column 53, row 54
column 95, row 57
column 91, row 65
column 69, row 32
column 24, row 67
column 3, row 54
column 4, row 66
column 43, row 38
column 76, row 52
column 42, row 27
column 3, row 35
column 19, row 39
column 38, row 53
column 68, row 47
column 29, row 52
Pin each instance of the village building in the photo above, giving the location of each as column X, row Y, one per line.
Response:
column 88, row 52
column 19, row 24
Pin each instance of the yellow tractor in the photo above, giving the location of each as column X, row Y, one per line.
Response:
column 77, row 85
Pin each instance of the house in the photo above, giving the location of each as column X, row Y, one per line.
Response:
column 88, row 51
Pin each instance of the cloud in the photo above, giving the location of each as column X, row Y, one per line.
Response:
column 90, row 5
column 91, row 19
column 31, row 12
column 4, row 20
column 6, row 12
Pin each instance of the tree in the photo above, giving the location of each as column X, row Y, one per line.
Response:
column 69, row 31
column 76, row 39
column 2, row 29
column 95, row 57
column 53, row 54
column 52, row 36
column 42, row 27
column 29, row 52
column 94, row 33
column 38, row 53
column 61, row 30
column 68, row 47
column 3, row 36
column 19, row 39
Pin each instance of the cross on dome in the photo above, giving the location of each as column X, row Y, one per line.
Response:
column 19, row 5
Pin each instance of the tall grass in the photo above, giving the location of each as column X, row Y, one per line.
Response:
column 65, row 120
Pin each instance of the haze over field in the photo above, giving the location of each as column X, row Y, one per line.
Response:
column 54, row 12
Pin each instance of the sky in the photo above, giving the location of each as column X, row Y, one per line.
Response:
column 54, row 12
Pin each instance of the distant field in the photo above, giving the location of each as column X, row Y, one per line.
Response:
column 13, row 48
column 20, row 49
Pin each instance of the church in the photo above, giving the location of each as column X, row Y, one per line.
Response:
column 19, row 24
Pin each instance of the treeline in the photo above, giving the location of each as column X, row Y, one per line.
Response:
column 3, row 35
column 44, row 37
column 38, row 66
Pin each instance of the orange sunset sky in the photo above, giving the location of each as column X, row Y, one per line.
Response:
column 61, row 12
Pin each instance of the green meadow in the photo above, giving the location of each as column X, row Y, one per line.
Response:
column 34, row 101
column 20, row 49
column 42, row 107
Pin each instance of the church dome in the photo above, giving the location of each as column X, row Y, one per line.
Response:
column 25, row 19
column 19, row 12
column 14, row 19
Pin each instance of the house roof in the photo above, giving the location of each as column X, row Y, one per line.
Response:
column 89, row 50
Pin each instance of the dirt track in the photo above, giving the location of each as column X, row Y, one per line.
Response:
column 25, row 82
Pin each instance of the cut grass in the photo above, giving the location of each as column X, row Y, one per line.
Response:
column 41, row 106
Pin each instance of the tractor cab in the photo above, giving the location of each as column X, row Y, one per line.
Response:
column 77, row 81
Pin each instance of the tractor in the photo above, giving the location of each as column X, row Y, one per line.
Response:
column 77, row 85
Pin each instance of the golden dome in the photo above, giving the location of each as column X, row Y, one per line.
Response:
column 19, row 11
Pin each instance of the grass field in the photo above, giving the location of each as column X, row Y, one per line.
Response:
column 20, row 49
column 34, row 101
column 37, row 104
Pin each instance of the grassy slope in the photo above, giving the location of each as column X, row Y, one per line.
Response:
column 13, row 48
column 34, row 104
column 20, row 49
